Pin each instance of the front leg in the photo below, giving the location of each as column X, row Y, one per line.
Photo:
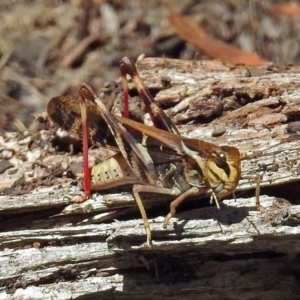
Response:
column 256, row 178
column 192, row 191
column 138, row 188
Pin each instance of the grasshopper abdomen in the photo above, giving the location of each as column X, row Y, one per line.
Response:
column 112, row 172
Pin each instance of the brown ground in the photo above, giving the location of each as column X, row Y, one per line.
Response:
column 50, row 47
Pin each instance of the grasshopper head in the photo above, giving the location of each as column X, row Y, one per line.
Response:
column 224, row 170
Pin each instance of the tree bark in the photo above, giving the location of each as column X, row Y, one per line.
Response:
column 53, row 250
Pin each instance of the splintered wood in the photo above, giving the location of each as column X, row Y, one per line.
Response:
column 101, row 242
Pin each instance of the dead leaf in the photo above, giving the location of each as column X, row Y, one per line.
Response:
column 193, row 33
column 289, row 9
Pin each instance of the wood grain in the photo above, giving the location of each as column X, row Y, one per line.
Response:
column 95, row 249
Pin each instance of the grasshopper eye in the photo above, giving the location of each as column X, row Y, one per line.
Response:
column 220, row 159
column 221, row 155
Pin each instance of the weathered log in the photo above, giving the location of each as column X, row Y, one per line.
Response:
column 50, row 249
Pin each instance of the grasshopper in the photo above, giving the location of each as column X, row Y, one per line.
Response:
column 151, row 159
